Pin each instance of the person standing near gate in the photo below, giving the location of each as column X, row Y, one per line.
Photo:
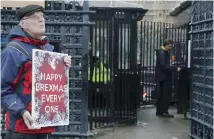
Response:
column 16, row 73
column 163, row 77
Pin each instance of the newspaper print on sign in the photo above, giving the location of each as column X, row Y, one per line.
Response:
column 50, row 89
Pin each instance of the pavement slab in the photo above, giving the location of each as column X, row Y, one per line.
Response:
column 149, row 126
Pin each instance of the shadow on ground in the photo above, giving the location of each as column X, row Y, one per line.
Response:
column 149, row 127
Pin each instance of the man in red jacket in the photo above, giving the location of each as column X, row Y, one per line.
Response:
column 16, row 71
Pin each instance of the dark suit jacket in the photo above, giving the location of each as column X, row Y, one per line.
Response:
column 163, row 70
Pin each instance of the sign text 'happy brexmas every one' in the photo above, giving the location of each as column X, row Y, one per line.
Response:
column 50, row 91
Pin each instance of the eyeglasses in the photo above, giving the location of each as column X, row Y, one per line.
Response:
column 34, row 16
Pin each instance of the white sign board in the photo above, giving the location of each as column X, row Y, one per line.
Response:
column 50, row 89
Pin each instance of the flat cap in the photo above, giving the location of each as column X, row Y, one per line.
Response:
column 27, row 10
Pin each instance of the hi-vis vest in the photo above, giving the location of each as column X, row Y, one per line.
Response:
column 101, row 74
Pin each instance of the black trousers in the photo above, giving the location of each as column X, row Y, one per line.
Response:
column 164, row 96
column 15, row 135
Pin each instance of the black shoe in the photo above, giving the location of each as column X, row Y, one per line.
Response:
column 167, row 115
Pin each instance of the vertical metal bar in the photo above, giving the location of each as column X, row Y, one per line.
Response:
column 99, row 70
column 112, row 73
column 124, row 92
column 144, row 54
column 108, row 72
column 175, row 72
column 115, row 55
column 126, row 45
column 129, row 71
column 124, row 54
column 150, row 54
column 141, row 59
column 126, row 26
column 110, row 91
column 160, row 39
column 121, row 42
column 172, row 28
column 186, row 44
column 153, row 55
column 135, row 75
column 95, row 81
column 157, row 46
column 121, row 93
column 127, row 35
column 183, row 50
column 167, row 31
column 182, row 35
column 162, row 33
column 90, row 80
column 125, row 73
column 112, row 30
column 176, row 47
column 147, row 60
column 172, row 38
column 180, row 45
column 128, row 32
column 103, row 70
column 185, row 40
column 159, row 32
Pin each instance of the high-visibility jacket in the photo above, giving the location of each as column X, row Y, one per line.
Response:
column 100, row 74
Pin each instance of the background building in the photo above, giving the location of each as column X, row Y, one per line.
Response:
column 158, row 11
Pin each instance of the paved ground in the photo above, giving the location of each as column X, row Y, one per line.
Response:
column 149, row 127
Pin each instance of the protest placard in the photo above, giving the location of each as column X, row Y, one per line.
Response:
column 50, row 89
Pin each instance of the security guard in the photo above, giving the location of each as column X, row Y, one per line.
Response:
column 97, row 72
column 100, row 73
column 99, row 77
column 163, row 77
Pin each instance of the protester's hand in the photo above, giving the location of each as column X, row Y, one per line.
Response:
column 29, row 121
column 67, row 60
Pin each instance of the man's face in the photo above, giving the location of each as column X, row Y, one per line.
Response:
column 34, row 24
column 168, row 47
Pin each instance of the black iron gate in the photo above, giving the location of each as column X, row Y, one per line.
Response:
column 113, row 68
column 151, row 36
column 202, row 67
column 67, row 23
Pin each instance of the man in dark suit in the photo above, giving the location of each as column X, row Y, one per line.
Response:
column 163, row 76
